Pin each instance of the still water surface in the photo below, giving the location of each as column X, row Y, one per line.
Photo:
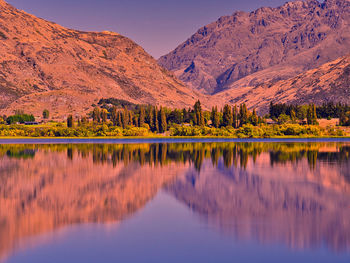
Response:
column 168, row 201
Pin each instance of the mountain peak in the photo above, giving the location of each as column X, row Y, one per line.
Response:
column 268, row 44
column 46, row 66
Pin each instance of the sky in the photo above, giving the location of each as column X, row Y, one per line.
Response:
column 159, row 26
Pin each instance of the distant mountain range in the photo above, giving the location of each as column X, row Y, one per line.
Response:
column 243, row 51
column 44, row 65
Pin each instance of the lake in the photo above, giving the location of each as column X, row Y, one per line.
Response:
column 167, row 200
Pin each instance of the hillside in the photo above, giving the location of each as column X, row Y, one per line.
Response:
column 328, row 83
column 267, row 45
column 44, row 65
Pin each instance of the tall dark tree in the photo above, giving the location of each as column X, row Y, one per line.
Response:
column 215, row 118
column 243, row 115
column 198, row 118
column 142, row 116
column 70, row 121
column 235, row 116
column 96, row 116
column 254, row 119
column 227, row 118
column 119, row 119
column 163, row 126
column 125, row 117
column 155, row 120
column 104, row 115
column 114, row 116
column 311, row 115
column 46, row 114
column 150, row 117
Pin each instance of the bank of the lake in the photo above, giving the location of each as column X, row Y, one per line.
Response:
column 110, row 131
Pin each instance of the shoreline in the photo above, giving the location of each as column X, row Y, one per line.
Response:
column 162, row 139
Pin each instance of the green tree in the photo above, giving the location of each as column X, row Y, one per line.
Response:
column 198, row 118
column 215, row 117
column 70, row 121
column 227, row 118
column 344, row 119
column 125, row 117
column 163, row 126
column 243, row 115
column 155, row 120
column 150, row 117
column 104, row 115
column 96, row 116
column 142, row 116
column 254, row 119
column 119, row 119
column 46, row 114
column 311, row 115
column 293, row 116
column 235, row 116
column 114, row 116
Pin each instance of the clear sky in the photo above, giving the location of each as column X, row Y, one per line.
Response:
column 157, row 25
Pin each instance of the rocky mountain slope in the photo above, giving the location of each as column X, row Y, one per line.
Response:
column 269, row 44
column 328, row 83
column 44, row 65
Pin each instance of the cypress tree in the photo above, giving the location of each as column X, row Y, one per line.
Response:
column 142, row 116
column 163, row 126
column 314, row 115
column 235, row 116
column 70, row 121
column 198, row 114
column 215, row 118
column 150, row 117
column 254, row 118
column 155, row 120
column 125, row 117
column 96, row 115
column 243, row 115
column 114, row 116
column 131, row 118
column 227, row 118
column 293, row 116
column 119, row 119
column 46, row 114
column 104, row 115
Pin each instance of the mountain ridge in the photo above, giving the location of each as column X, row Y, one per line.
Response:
column 47, row 66
column 283, row 42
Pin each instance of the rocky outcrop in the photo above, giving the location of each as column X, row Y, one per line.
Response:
column 328, row 83
column 267, row 45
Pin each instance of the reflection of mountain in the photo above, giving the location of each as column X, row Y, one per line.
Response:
column 50, row 191
column 291, row 204
column 302, row 189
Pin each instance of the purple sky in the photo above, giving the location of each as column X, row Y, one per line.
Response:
column 157, row 25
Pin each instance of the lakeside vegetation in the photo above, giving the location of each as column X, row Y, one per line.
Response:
column 118, row 118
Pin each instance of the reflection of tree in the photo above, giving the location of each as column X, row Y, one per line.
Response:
column 195, row 153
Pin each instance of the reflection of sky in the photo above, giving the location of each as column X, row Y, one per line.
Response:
column 157, row 25
column 164, row 231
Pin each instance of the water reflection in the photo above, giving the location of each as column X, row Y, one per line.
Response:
column 291, row 193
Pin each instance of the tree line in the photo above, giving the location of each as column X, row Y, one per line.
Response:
column 311, row 112
column 159, row 119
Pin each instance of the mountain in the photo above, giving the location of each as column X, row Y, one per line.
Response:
column 328, row 83
column 267, row 45
column 44, row 65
